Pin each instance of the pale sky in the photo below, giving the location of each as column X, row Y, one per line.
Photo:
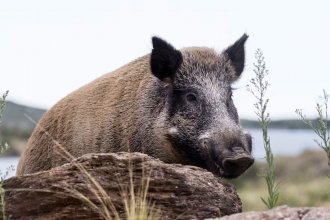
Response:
column 50, row 48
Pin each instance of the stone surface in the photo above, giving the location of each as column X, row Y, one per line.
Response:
column 180, row 192
column 283, row 213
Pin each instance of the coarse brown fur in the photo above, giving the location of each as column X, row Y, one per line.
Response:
column 103, row 116
column 124, row 110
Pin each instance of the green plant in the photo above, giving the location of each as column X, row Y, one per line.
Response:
column 3, row 147
column 258, row 89
column 321, row 126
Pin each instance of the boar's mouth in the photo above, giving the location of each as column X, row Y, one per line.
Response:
column 223, row 164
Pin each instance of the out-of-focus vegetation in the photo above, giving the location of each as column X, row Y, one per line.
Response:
column 303, row 180
column 280, row 124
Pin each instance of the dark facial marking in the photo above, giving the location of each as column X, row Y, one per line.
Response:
column 184, row 102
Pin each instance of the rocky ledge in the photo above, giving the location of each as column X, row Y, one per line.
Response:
column 79, row 189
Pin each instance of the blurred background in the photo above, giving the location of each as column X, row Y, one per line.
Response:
column 50, row 48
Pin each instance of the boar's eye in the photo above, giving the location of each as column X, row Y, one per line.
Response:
column 191, row 97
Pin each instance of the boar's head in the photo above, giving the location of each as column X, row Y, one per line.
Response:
column 199, row 117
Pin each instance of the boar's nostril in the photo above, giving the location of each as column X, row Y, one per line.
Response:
column 237, row 165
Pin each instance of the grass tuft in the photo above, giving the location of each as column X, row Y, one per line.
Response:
column 258, row 89
column 137, row 206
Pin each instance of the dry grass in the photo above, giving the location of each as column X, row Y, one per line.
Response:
column 136, row 204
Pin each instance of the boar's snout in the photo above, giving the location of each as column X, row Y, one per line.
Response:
column 229, row 160
column 233, row 167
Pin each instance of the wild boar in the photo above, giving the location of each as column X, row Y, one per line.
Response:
column 175, row 105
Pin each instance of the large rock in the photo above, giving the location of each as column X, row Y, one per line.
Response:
column 283, row 212
column 180, row 192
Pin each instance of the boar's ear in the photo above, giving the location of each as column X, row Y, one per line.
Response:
column 165, row 60
column 237, row 55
